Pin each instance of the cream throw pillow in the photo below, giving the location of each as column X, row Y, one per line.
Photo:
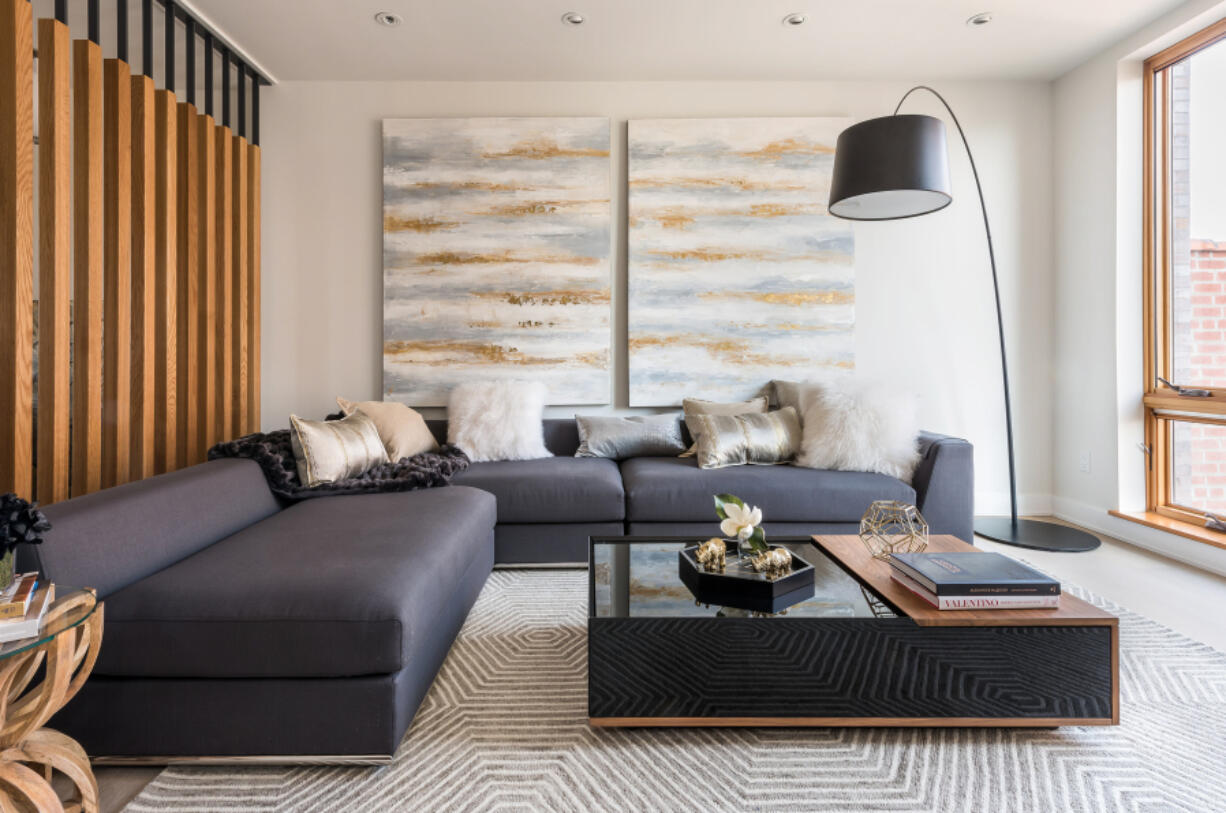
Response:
column 854, row 424
column 498, row 420
column 327, row 451
column 697, row 406
column 403, row 431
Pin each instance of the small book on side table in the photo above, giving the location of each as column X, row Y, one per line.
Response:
column 15, row 599
column 28, row 626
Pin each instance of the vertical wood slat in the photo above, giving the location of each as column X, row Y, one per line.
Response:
column 55, row 260
column 144, row 290
column 117, row 320
column 253, row 288
column 188, row 304
column 87, row 180
column 241, row 292
column 206, row 342
column 166, row 414
column 225, row 284
column 16, row 246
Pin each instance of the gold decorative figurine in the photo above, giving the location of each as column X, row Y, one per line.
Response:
column 893, row 527
column 710, row 554
column 774, row 563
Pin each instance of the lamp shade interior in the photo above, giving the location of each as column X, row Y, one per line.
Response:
column 890, row 168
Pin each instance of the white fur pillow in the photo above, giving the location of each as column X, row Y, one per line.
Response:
column 853, row 424
column 498, row 420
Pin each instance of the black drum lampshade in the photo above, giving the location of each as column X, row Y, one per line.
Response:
column 890, row 168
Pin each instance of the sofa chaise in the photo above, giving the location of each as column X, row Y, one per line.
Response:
column 237, row 626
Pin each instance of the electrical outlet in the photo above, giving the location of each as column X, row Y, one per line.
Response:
column 1083, row 463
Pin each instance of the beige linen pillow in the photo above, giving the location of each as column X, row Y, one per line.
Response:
column 755, row 438
column 403, row 431
column 327, row 451
column 697, row 406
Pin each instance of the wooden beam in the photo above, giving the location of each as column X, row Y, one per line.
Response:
column 225, row 284
column 87, row 280
column 241, row 291
column 206, row 342
column 166, row 271
column 16, row 247
column 144, row 288
column 188, row 303
column 54, row 260
column 253, row 288
column 117, row 320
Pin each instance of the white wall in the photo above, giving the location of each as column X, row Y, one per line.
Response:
column 1097, row 327
column 924, row 307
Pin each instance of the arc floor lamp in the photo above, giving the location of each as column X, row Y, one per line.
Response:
column 896, row 167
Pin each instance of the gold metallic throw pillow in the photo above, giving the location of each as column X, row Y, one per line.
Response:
column 327, row 451
column 756, row 438
column 697, row 406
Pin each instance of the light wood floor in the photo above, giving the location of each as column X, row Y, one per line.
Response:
column 1176, row 595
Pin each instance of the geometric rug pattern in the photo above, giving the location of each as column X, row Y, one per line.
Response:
column 504, row 728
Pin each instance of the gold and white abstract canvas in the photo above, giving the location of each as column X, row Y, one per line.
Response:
column 496, row 256
column 737, row 274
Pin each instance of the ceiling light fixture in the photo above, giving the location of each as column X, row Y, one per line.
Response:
column 795, row 18
column 572, row 18
column 982, row 18
column 388, row 18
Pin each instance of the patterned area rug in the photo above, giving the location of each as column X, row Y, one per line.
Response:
column 504, row 728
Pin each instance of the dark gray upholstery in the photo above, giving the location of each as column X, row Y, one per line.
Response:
column 111, row 538
column 549, row 544
column 671, row 489
column 331, row 587
column 945, row 485
column 552, row 489
column 711, row 528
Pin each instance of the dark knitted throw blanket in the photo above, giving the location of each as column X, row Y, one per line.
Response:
column 275, row 454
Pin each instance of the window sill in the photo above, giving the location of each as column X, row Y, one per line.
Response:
column 1188, row 530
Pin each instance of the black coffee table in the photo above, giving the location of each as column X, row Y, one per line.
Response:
column 855, row 654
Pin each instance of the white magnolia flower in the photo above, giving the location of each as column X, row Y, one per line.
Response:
column 741, row 520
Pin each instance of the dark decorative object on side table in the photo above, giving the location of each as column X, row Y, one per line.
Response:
column 20, row 523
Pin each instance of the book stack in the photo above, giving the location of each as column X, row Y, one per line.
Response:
column 22, row 607
column 974, row 581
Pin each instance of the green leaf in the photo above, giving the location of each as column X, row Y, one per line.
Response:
column 723, row 499
column 757, row 540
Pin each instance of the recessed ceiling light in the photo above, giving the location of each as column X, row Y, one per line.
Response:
column 388, row 18
column 572, row 18
column 983, row 18
column 796, row 18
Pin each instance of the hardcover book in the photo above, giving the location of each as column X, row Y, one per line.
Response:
column 973, row 574
column 977, row 602
column 15, row 599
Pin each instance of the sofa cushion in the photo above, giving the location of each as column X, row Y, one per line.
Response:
column 669, row 489
column 331, row 587
column 112, row 538
column 552, row 489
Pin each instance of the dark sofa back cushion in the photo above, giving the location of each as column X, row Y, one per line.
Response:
column 561, row 434
column 111, row 538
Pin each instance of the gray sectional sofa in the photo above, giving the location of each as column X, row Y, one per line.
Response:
column 238, row 626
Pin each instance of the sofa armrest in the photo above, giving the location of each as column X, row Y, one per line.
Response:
column 944, row 483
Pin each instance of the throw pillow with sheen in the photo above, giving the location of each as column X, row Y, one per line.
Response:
column 697, row 406
column 636, row 436
column 403, row 431
column 860, row 425
column 759, row 438
column 327, row 451
column 498, row 420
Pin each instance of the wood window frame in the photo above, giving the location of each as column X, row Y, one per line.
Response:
column 1162, row 405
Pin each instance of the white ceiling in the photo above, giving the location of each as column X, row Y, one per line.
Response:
column 674, row 39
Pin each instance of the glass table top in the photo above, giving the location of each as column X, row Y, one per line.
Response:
column 638, row 577
column 72, row 607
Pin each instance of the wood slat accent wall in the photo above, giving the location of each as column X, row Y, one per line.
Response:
column 87, row 275
column 147, row 270
column 16, row 246
column 54, row 259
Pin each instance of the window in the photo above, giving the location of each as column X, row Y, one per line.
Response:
column 1185, row 277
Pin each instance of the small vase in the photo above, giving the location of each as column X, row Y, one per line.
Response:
column 6, row 570
column 742, row 547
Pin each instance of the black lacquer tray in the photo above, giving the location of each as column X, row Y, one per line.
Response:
column 740, row 586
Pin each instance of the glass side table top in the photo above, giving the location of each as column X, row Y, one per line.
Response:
column 72, row 607
column 638, row 577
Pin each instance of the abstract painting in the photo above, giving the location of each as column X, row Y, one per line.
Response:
column 737, row 274
column 496, row 256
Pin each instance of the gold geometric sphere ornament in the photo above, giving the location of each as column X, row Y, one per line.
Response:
column 890, row 527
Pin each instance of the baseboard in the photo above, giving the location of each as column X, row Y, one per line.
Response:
column 1172, row 546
